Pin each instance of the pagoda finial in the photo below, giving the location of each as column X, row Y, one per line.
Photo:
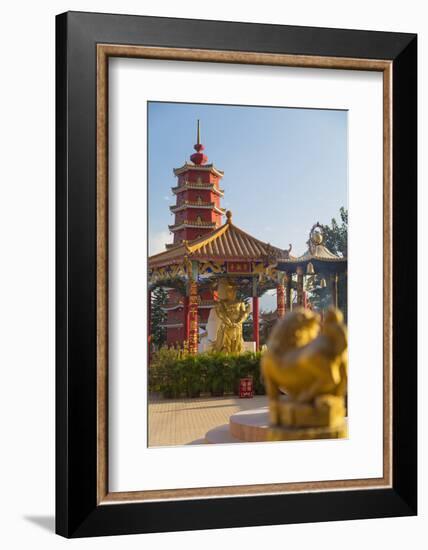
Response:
column 198, row 157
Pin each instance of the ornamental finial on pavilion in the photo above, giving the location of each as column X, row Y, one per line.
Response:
column 316, row 237
column 198, row 157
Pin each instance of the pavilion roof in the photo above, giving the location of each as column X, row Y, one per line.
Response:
column 226, row 243
column 318, row 252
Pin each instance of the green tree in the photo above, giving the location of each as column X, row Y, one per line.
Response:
column 247, row 329
column 158, row 316
column 319, row 291
column 336, row 240
column 336, row 235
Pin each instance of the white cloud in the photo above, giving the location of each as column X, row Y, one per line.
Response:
column 157, row 242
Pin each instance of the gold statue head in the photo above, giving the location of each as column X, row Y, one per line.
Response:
column 296, row 329
column 226, row 290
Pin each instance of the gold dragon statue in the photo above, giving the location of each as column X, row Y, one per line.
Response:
column 307, row 360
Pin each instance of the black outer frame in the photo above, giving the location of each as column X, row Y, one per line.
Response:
column 77, row 513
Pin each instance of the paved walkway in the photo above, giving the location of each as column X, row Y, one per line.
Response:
column 184, row 421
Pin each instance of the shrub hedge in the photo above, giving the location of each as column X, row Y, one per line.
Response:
column 175, row 373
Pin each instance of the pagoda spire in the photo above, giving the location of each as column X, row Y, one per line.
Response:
column 198, row 135
column 198, row 157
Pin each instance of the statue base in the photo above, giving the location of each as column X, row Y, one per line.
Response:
column 253, row 426
column 325, row 411
column 291, row 433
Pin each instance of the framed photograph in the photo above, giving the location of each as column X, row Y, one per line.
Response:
column 236, row 274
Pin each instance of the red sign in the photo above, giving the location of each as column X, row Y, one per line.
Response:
column 239, row 267
column 246, row 387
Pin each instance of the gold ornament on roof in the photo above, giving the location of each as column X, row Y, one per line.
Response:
column 316, row 237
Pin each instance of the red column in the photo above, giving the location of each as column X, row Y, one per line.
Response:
column 288, row 289
column 256, row 321
column 300, row 287
column 193, row 317
column 186, row 319
column 333, row 279
column 280, row 300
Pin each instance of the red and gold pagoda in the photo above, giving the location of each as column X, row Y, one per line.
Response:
column 197, row 213
column 197, row 210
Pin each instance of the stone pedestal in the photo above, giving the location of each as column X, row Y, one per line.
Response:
column 282, row 433
column 254, row 426
column 322, row 419
column 326, row 410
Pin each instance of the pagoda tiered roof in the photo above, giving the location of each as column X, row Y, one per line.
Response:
column 198, row 186
column 192, row 223
column 196, row 204
column 199, row 167
column 227, row 243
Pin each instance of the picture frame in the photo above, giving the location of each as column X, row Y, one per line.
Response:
column 84, row 44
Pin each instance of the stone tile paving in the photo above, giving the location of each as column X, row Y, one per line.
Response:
column 183, row 421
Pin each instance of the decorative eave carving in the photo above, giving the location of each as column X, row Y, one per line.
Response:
column 192, row 224
column 199, row 168
column 196, row 205
column 199, row 187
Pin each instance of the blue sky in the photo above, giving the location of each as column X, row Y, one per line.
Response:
column 284, row 169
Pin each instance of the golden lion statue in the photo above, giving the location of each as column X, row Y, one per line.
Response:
column 307, row 359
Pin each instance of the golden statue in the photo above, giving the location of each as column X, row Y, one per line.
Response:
column 231, row 313
column 308, row 360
